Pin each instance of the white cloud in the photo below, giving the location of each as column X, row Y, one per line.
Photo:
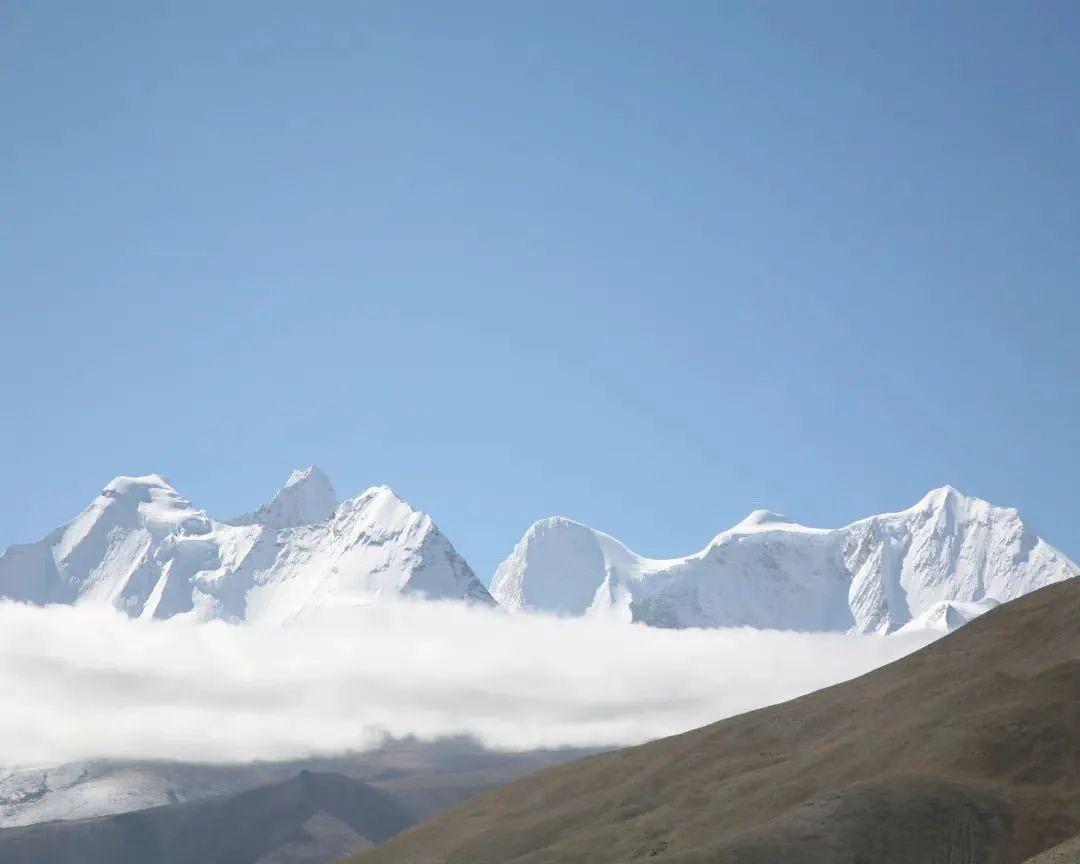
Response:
column 81, row 682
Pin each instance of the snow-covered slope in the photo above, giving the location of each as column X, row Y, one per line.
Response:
column 875, row 575
column 428, row 776
column 82, row 790
column 145, row 549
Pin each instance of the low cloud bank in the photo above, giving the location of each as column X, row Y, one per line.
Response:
column 83, row 682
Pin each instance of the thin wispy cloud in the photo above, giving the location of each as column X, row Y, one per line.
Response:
column 82, row 682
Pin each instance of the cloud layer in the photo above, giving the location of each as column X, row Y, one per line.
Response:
column 82, row 682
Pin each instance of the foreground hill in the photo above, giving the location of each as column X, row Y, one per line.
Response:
column 968, row 750
column 875, row 575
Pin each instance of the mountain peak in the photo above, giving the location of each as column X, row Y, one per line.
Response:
column 381, row 504
column 941, row 496
column 550, row 568
column 760, row 518
column 150, row 499
column 552, row 523
column 948, row 502
column 307, row 498
column 143, row 548
column 124, row 486
column 385, row 491
column 311, row 474
column 769, row 571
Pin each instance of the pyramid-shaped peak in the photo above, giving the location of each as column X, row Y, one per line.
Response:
column 942, row 495
column 313, row 474
column 382, row 506
column 307, row 498
column 950, row 500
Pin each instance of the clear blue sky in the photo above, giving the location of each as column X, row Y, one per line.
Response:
column 648, row 265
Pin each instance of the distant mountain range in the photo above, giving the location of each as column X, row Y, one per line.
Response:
column 144, row 548
column 968, row 750
column 420, row 778
column 940, row 562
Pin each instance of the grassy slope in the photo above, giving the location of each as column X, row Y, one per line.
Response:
column 968, row 750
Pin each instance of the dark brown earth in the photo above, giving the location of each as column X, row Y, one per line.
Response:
column 967, row 751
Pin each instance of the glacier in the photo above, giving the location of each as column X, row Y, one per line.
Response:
column 143, row 548
column 876, row 575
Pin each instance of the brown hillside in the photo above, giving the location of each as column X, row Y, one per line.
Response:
column 967, row 751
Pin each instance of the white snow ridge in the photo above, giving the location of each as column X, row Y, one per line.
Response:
column 935, row 565
column 143, row 548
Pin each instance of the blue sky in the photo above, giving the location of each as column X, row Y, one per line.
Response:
column 646, row 265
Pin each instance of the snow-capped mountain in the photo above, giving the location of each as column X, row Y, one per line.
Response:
column 874, row 575
column 143, row 548
column 307, row 497
column 147, row 550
